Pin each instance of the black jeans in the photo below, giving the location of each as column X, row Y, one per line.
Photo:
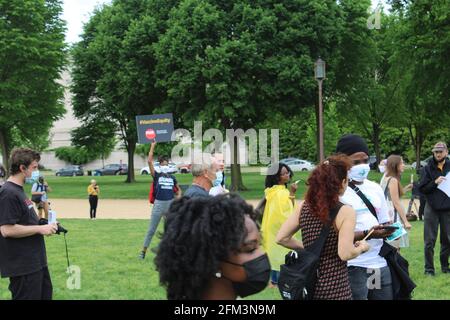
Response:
column 93, row 201
column 423, row 201
column 34, row 286
column 432, row 221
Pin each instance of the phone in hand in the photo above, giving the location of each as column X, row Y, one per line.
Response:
column 389, row 228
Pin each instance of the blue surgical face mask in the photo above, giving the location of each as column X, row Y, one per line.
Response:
column 34, row 177
column 219, row 177
column 359, row 172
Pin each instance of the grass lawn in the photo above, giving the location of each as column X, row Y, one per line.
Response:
column 106, row 251
column 113, row 187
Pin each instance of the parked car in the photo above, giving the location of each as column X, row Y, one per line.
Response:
column 70, row 171
column 299, row 164
column 423, row 163
column 112, row 170
column 172, row 168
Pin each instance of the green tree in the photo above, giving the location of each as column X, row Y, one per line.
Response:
column 420, row 63
column 32, row 54
column 96, row 137
column 113, row 68
column 231, row 64
column 74, row 155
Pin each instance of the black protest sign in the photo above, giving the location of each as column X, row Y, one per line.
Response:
column 156, row 126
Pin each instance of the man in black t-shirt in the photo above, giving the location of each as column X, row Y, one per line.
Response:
column 23, row 256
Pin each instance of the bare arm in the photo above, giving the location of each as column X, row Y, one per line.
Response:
column 345, row 223
column 178, row 194
column 288, row 229
column 150, row 159
column 395, row 197
column 20, row 231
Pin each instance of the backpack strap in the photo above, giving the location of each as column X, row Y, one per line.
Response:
column 318, row 245
column 364, row 199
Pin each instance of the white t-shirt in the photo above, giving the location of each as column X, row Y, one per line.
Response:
column 365, row 220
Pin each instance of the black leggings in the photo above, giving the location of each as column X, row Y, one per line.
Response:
column 93, row 201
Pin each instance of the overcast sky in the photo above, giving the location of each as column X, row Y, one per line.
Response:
column 77, row 12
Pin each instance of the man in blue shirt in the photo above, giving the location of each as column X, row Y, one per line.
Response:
column 204, row 175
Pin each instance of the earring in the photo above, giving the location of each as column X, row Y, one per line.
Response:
column 218, row 274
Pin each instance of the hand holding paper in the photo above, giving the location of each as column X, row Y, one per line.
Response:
column 444, row 186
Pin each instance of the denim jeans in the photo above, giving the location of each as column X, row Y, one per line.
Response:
column 159, row 209
column 370, row 284
column 274, row 276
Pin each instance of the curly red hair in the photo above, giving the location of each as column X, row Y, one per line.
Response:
column 324, row 185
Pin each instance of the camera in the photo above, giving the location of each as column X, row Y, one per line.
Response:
column 44, row 221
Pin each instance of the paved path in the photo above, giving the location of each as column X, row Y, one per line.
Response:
column 114, row 209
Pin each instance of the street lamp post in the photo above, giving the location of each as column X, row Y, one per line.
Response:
column 319, row 74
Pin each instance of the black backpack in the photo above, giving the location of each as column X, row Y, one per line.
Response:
column 298, row 275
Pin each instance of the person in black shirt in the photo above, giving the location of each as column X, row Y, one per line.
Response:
column 23, row 256
column 437, row 208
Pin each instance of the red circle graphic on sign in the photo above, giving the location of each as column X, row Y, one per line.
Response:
column 150, row 133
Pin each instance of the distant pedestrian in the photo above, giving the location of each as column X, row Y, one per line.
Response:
column 219, row 183
column 39, row 195
column 93, row 191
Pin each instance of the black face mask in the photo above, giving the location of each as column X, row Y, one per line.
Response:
column 258, row 274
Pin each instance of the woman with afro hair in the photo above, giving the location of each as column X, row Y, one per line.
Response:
column 210, row 249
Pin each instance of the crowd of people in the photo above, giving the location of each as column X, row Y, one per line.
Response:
column 214, row 245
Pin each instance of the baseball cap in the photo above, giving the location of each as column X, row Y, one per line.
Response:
column 440, row 146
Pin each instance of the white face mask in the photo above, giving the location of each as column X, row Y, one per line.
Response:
column 164, row 169
column 359, row 173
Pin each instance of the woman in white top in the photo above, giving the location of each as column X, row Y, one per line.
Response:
column 393, row 191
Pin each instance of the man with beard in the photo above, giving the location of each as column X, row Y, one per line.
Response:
column 437, row 208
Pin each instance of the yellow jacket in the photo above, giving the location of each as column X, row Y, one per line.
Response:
column 278, row 208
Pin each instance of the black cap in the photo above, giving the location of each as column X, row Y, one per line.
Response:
column 350, row 144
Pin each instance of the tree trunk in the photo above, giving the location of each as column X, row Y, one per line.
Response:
column 417, row 141
column 376, row 142
column 236, row 175
column 418, row 148
column 4, row 145
column 130, row 149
